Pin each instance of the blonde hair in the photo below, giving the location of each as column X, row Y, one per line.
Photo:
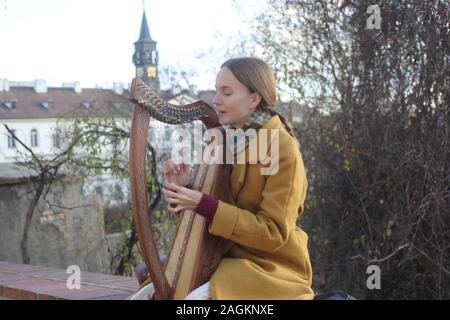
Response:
column 258, row 77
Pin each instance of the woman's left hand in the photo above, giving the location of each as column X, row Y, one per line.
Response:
column 182, row 197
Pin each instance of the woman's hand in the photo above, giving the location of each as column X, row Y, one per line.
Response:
column 176, row 173
column 181, row 197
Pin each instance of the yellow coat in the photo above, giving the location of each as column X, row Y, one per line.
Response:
column 269, row 259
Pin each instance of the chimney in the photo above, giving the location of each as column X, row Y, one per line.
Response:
column 118, row 88
column 4, row 85
column 40, row 86
column 77, row 87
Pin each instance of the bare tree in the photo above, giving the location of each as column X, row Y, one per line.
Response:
column 375, row 138
column 48, row 172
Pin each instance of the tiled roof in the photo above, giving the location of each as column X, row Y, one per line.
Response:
column 61, row 102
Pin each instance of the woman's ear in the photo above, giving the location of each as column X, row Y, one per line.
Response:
column 256, row 99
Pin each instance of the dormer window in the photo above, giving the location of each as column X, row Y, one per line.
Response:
column 86, row 105
column 9, row 104
column 45, row 105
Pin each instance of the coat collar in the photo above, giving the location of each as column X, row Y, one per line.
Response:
column 239, row 170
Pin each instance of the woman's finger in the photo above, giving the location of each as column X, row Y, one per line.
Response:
column 184, row 167
column 167, row 168
column 172, row 198
column 175, row 209
column 172, row 201
column 171, row 210
column 170, row 193
column 168, row 175
column 172, row 165
column 173, row 186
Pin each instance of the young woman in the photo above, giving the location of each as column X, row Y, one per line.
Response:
column 269, row 259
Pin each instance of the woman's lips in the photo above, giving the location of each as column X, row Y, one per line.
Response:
column 221, row 113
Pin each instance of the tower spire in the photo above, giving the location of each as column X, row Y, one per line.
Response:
column 144, row 35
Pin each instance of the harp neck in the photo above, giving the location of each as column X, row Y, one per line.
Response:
column 169, row 113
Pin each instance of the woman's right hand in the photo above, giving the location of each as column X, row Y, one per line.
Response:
column 176, row 173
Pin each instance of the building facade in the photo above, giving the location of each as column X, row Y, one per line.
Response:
column 35, row 113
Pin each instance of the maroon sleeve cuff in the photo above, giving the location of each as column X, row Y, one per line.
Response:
column 207, row 207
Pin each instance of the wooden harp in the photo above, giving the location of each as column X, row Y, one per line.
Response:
column 195, row 253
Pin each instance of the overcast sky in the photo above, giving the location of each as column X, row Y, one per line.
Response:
column 91, row 41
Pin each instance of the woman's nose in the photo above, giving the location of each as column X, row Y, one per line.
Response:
column 216, row 99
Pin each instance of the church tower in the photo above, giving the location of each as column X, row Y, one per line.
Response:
column 145, row 57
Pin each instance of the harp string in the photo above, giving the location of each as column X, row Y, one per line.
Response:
column 171, row 242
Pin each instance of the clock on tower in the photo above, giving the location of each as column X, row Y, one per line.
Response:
column 151, row 72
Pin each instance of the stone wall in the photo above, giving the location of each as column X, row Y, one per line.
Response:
column 69, row 233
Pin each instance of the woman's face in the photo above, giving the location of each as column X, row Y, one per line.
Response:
column 233, row 100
